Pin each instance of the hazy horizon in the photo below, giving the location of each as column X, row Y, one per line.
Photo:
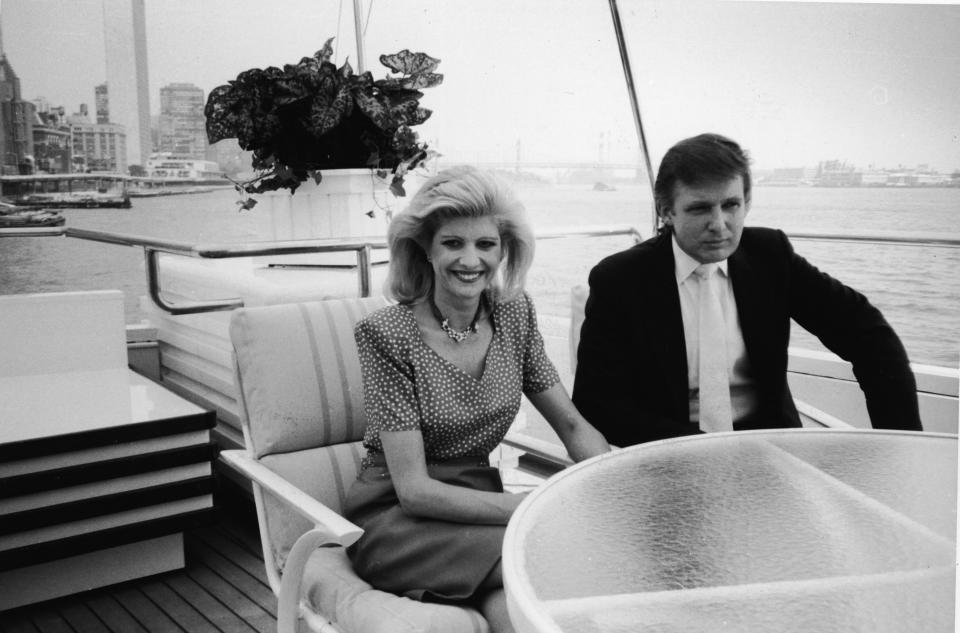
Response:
column 795, row 83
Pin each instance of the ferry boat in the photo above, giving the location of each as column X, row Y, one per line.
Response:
column 169, row 174
column 92, row 190
column 13, row 216
column 183, row 359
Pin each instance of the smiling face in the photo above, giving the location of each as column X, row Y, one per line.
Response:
column 707, row 219
column 465, row 254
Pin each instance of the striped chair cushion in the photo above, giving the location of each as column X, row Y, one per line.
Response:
column 298, row 373
column 325, row 473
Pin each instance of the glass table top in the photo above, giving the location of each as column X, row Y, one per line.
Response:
column 778, row 530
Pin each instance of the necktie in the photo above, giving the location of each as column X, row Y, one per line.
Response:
column 715, row 409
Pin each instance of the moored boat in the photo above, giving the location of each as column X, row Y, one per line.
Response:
column 14, row 216
column 67, row 190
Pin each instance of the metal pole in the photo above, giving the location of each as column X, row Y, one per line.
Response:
column 358, row 30
column 634, row 103
column 363, row 263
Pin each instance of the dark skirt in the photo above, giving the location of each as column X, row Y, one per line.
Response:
column 423, row 559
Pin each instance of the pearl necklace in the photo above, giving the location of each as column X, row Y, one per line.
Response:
column 457, row 336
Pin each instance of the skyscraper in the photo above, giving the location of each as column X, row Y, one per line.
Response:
column 182, row 124
column 102, row 101
column 125, row 36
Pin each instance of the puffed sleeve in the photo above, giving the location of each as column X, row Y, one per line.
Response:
column 539, row 374
column 389, row 394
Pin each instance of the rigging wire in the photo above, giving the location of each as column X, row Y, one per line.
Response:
column 367, row 23
column 337, row 38
column 634, row 103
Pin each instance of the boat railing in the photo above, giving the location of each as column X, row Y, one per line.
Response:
column 362, row 247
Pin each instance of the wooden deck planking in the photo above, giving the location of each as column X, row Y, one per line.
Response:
column 222, row 589
column 149, row 615
column 113, row 615
column 252, row 588
column 51, row 623
column 204, row 602
column 80, row 617
column 180, row 610
column 233, row 599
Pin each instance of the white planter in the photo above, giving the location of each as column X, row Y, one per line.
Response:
column 340, row 206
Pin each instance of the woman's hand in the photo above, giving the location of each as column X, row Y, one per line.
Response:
column 579, row 437
column 422, row 495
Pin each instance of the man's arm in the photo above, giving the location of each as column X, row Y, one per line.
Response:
column 856, row 331
column 609, row 388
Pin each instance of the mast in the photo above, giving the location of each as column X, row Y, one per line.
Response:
column 634, row 103
column 358, row 33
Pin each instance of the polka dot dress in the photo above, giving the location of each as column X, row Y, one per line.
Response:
column 408, row 386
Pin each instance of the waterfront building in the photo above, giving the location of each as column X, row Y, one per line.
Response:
column 97, row 146
column 52, row 139
column 16, row 117
column 125, row 37
column 102, row 103
column 182, row 126
column 228, row 155
column 835, row 173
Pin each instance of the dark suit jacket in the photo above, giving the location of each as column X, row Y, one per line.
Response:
column 631, row 380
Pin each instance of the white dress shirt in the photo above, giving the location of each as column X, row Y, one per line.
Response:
column 742, row 396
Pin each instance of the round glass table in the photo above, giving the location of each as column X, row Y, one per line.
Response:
column 781, row 530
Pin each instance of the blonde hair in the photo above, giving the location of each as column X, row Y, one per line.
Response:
column 457, row 192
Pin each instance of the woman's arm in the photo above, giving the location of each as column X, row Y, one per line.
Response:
column 580, row 439
column 421, row 495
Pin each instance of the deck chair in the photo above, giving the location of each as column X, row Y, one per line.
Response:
column 301, row 396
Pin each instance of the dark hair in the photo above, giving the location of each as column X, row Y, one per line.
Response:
column 457, row 192
column 702, row 159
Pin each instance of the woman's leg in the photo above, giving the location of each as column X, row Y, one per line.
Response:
column 494, row 602
column 494, row 607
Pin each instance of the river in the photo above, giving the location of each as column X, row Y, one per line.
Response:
column 916, row 287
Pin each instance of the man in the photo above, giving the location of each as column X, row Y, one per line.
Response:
column 688, row 331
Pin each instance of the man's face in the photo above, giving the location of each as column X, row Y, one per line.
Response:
column 708, row 219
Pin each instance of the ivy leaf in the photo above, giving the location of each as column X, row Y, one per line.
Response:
column 246, row 204
column 325, row 53
column 375, row 110
column 409, row 63
column 326, row 116
column 396, row 187
column 422, row 80
column 316, row 175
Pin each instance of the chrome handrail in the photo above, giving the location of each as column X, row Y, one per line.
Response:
column 361, row 246
column 900, row 238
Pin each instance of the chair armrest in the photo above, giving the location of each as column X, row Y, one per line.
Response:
column 288, row 600
column 337, row 528
column 541, row 449
column 821, row 417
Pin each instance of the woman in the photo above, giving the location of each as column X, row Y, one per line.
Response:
column 443, row 373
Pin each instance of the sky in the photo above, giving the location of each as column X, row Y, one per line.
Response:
column 795, row 83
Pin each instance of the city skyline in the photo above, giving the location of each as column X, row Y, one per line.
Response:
column 795, row 83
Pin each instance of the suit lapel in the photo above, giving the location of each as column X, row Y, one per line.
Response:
column 665, row 328
column 747, row 292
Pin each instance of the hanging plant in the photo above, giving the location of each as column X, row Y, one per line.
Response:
column 311, row 116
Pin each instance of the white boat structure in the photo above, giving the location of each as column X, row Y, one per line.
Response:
column 168, row 388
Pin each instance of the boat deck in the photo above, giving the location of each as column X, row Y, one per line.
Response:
column 222, row 589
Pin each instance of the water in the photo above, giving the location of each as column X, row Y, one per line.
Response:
column 917, row 288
